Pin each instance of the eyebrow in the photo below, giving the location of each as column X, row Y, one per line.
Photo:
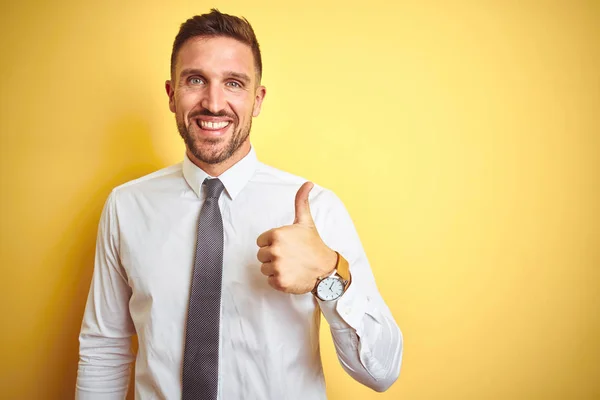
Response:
column 230, row 74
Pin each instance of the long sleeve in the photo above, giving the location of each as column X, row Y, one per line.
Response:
column 366, row 337
column 105, row 355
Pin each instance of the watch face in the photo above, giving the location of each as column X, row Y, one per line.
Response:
column 330, row 288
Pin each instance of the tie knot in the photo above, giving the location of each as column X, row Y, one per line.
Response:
column 214, row 187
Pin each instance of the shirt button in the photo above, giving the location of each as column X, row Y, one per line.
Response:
column 348, row 311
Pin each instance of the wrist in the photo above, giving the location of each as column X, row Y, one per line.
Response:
column 335, row 282
column 332, row 262
column 343, row 270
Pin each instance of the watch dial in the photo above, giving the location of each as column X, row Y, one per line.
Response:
column 330, row 289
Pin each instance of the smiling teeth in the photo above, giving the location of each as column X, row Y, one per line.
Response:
column 213, row 125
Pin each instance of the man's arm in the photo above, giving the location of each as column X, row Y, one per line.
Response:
column 367, row 340
column 105, row 355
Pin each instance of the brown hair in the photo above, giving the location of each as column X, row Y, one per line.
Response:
column 216, row 24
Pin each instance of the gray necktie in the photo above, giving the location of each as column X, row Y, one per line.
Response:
column 201, row 355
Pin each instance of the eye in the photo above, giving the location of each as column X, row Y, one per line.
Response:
column 234, row 84
column 195, row 80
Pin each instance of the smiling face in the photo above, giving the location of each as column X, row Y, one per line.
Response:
column 214, row 94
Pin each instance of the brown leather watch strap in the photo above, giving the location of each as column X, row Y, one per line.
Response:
column 343, row 269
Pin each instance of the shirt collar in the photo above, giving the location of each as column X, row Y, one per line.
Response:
column 234, row 179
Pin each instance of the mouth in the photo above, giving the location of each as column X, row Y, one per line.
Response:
column 212, row 128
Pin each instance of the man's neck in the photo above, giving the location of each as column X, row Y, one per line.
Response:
column 215, row 170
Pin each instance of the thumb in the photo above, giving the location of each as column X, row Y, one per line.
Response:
column 303, row 215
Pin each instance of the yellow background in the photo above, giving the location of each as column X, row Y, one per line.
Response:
column 463, row 136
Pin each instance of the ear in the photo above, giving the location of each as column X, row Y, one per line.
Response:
column 259, row 96
column 171, row 93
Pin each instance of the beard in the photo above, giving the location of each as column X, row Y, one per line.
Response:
column 212, row 151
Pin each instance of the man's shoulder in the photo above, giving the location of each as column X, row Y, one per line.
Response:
column 268, row 174
column 275, row 179
column 156, row 180
column 289, row 182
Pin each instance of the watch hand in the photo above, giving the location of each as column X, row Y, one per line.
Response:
column 331, row 285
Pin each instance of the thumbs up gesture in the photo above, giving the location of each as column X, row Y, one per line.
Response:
column 294, row 256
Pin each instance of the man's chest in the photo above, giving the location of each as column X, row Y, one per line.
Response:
column 158, row 244
column 158, row 256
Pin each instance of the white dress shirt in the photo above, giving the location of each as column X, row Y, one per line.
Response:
column 269, row 340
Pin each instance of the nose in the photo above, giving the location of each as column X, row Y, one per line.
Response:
column 213, row 99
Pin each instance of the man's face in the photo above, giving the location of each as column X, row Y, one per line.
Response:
column 214, row 95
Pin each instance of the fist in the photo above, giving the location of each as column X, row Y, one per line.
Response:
column 294, row 256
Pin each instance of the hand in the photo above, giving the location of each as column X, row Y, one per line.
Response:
column 294, row 256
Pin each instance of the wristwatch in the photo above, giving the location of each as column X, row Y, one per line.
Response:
column 332, row 287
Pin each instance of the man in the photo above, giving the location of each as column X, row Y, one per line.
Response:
column 221, row 264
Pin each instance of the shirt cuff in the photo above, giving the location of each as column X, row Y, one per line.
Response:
column 348, row 310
